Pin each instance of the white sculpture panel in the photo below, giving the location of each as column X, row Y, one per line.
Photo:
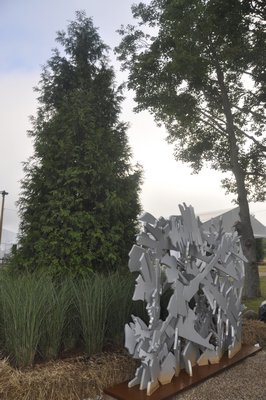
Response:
column 204, row 273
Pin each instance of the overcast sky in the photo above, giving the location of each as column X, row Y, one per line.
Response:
column 27, row 35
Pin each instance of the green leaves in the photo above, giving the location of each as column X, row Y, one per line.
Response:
column 79, row 199
column 203, row 75
column 175, row 76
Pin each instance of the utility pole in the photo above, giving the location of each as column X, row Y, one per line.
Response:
column 3, row 193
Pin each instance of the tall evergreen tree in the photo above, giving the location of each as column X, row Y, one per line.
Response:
column 202, row 73
column 79, row 201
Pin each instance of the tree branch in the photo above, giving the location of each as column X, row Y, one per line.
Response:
column 256, row 174
column 216, row 125
column 254, row 140
column 255, row 114
column 214, row 120
column 212, row 126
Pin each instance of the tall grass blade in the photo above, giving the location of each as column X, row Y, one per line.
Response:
column 59, row 298
column 120, row 299
column 23, row 307
column 92, row 303
column 71, row 338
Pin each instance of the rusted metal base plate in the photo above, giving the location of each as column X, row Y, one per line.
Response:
column 180, row 383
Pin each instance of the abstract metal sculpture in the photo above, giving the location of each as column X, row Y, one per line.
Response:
column 204, row 272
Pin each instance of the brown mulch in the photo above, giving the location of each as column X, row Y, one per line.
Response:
column 254, row 332
column 81, row 378
column 75, row 379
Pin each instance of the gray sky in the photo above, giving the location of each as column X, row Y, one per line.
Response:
column 27, row 35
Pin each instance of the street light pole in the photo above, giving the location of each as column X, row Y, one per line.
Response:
column 3, row 193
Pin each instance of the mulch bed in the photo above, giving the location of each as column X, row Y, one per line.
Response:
column 69, row 379
column 80, row 378
column 254, row 332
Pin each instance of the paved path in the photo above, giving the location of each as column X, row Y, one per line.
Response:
column 245, row 381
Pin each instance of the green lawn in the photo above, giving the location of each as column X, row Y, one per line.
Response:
column 262, row 268
column 254, row 304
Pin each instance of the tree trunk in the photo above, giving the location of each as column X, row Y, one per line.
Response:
column 252, row 282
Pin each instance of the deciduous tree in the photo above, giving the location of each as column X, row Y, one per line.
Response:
column 199, row 67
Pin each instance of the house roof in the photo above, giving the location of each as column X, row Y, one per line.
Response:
column 229, row 219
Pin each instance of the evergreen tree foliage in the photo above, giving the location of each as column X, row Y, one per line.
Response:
column 79, row 200
column 199, row 67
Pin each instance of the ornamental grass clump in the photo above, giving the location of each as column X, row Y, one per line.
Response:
column 23, row 303
column 92, row 301
column 120, row 306
column 59, row 299
column 72, row 333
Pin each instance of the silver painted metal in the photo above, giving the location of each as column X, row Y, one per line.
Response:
column 204, row 273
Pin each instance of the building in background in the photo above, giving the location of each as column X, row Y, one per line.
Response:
column 230, row 219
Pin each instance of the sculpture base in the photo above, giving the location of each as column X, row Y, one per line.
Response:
column 180, row 383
